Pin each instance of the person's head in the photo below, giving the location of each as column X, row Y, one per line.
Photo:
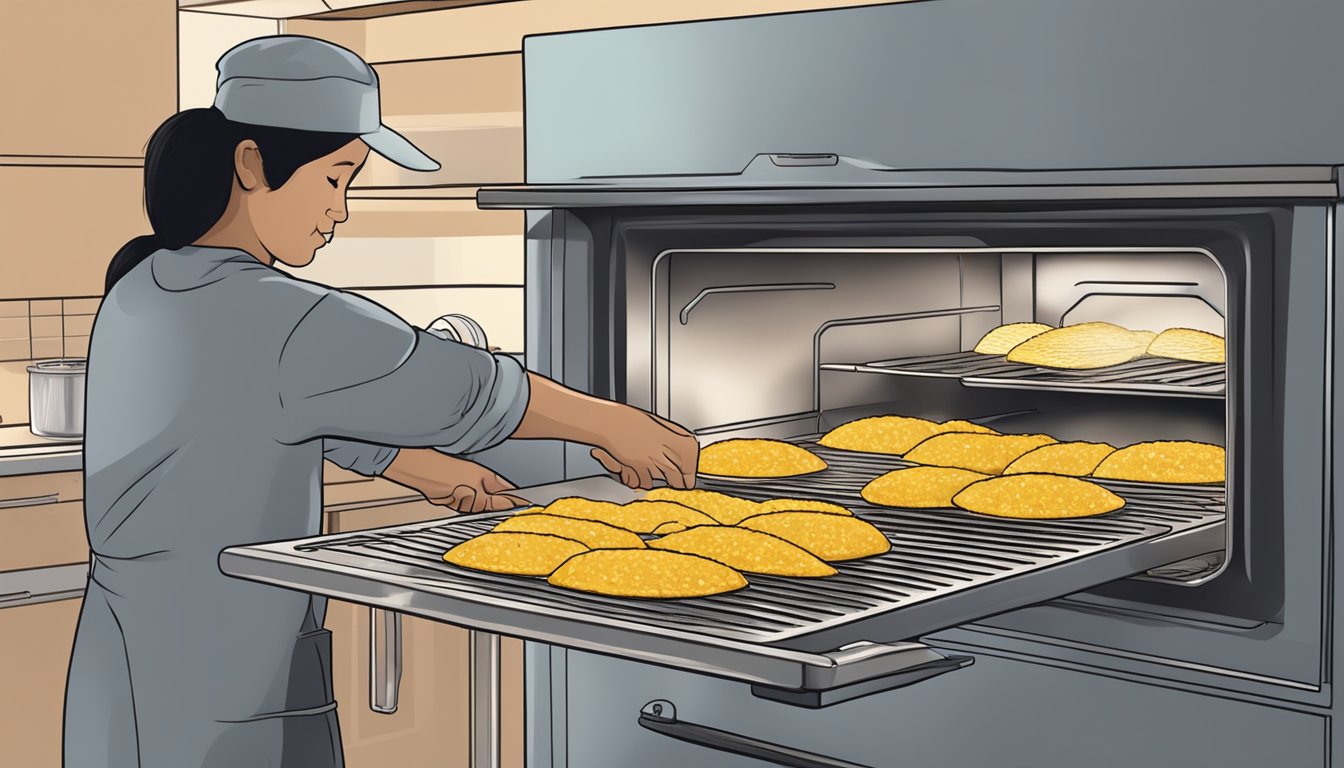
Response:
column 267, row 167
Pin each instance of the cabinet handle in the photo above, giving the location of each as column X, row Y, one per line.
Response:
column 29, row 501
column 384, row 660
column 660, row 716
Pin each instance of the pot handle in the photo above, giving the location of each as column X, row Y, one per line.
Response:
column 660, row 716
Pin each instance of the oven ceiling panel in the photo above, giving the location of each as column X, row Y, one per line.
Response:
column 945, row 568
column 963, row 84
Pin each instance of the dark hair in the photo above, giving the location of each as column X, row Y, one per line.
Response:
column 189, row 176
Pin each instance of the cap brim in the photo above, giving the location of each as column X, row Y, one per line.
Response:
column 396, row 148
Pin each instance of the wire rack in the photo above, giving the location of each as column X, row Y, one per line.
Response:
column 937, row 557
column 1148, row 376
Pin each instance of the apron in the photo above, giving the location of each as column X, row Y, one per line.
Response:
column 178, row 667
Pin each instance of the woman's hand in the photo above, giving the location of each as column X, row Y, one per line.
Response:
column 643, row 448
column 451, row 482
column 638, row 446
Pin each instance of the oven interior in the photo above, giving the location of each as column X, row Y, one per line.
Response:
column 786, row 324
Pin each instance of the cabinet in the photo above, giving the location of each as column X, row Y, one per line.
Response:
column 86, row 78
column 86, row 84
column 42, row 521
column 433, row 715
column 61, row 226
column 43, row 549
column 36, row 642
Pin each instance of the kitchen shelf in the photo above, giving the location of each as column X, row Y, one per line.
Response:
column 1145, row 376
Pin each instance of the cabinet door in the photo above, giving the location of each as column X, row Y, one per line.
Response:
column 42, row 521
column 86, row 78
column 61, row 226
column 35, row 643
column 432, row 723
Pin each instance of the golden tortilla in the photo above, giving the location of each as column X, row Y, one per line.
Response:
column 1166, row 462
column 724, row 509
column 516, row 554
column 637, row 516
column 880, row 434
column 830, row 537
column 1189, row 344
column 986, row 454
column 1037, row 497
column 803, row 505
column 593, row 534
column 646, row 573
column 746, row 550
column 1082, row 346
column 958, row 425
column 919, row 487
column 1073, row 459
column 1002, row 339
column 757, row 458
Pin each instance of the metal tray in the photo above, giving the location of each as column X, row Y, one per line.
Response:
column 945, row 568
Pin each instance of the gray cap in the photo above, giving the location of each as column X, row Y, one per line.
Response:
column 290, row 81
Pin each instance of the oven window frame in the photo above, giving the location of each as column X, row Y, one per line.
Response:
column 613, row 241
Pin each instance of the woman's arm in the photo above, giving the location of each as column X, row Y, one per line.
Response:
column 351, row 369
column 637, row 445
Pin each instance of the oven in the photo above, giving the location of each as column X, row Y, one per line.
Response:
column 742, row 292
column 784, row 321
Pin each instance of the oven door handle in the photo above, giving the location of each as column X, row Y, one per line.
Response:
column 660, row 716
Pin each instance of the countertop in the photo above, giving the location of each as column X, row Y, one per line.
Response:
column 23, row 453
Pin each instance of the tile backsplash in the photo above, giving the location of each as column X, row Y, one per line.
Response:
column 38, row 329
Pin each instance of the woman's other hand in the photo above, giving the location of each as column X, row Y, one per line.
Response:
column 643, row 448
column 450, row 482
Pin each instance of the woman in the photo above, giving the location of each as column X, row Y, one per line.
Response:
column 216, row 385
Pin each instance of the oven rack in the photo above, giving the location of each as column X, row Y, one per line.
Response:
column 1145, row 376
column 945, row 568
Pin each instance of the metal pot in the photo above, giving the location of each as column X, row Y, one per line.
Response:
column 56, row 398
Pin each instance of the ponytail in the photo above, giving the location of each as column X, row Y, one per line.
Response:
column 132, row 253
column 189, row 176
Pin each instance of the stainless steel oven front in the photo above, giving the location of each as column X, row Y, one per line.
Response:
column 785, row 320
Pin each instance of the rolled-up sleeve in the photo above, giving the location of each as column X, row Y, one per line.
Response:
column 363, row 458
column 351, row 369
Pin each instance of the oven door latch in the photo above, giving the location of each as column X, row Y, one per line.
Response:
column 862, row 669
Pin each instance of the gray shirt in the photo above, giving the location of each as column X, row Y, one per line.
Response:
column 215, row 386
column 215, row 383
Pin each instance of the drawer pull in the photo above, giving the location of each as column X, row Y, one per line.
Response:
column 660, row 716
column 29, row 501
column 15, row 597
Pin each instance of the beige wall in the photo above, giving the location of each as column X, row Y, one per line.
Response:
column 205, row 37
